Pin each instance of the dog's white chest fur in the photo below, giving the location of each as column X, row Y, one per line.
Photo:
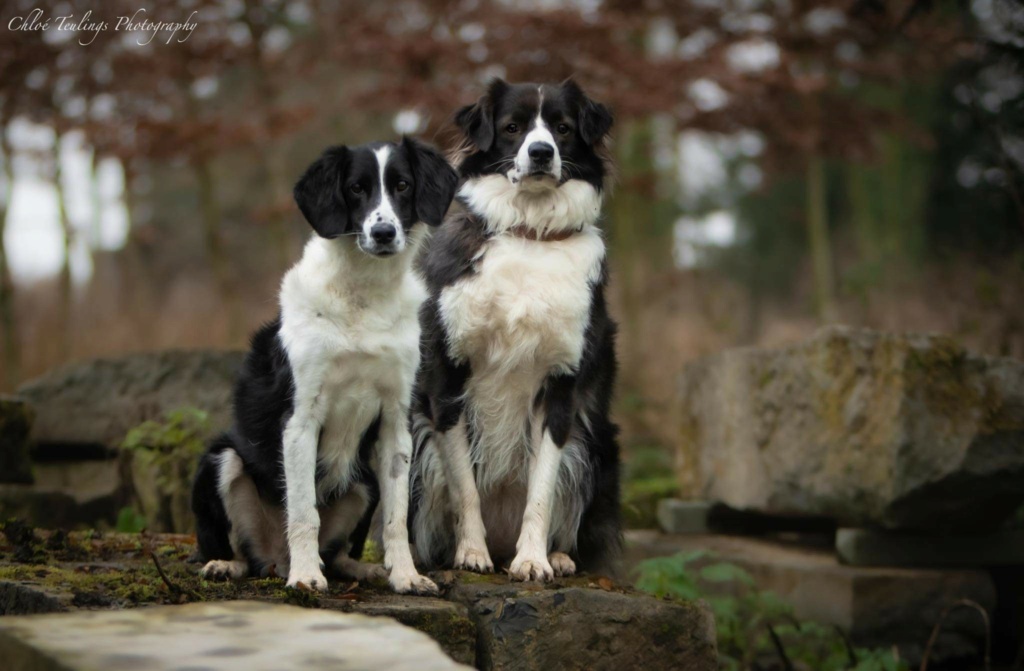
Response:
column 352, row 337
column 520, row 317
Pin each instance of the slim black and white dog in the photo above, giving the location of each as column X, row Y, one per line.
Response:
column 322, row 402
column 516, row 456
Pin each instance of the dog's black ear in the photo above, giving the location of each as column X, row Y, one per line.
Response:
column 434, row 181
column 595, row 120
column 477, row 120
column 318, row 193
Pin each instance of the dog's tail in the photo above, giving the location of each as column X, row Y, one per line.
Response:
column 430, row 518
column 212, row 525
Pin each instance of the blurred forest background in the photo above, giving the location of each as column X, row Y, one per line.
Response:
column 782, row 164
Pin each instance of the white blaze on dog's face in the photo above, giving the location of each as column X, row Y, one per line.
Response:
column 538, row 160
column 376, row 193
column 539, row 136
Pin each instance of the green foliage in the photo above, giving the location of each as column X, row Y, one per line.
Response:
column 640, row 500
column 746, row 618
column 649, row 477
column 130, row 521
column 372, row 552
column 167, row 444
column 164, row 455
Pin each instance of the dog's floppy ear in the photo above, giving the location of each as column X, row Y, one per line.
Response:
column 595, row 120
column 477, row 120
column 434, row 181
column 318, row 193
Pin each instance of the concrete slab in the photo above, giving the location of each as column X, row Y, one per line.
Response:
column 242, row 635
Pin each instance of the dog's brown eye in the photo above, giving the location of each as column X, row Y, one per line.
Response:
column 356, row 188
column 563, row 129
column 511, row 128
column 402, row 186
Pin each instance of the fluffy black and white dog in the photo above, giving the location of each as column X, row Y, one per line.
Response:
column 516, row 456
column 322, row 401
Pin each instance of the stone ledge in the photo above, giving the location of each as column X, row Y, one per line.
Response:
column 864, row 547
column 580, row 622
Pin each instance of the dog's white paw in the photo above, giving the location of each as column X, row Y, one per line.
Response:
column 310, row 580
column 469, row 558
column 406, row 582
column 561, row 564
column 531, row 568
column 220, row 569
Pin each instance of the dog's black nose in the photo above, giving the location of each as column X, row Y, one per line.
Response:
column 541, row 152
column 383, row 233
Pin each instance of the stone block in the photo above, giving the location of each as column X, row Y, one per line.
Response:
column 82, row 406
column 897, row 431
column 15, row 422
column 863, row 547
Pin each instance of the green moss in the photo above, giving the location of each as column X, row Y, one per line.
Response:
column 640, row 500
column 941, row 376
column 452, row 630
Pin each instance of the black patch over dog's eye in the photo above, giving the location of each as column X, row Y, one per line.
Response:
column 511, row 128
column 356, row 188
column 402, row 186
column 563, row 129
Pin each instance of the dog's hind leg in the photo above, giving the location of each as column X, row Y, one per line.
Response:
column 338, row 522
column 212, row 524
column 251, row 527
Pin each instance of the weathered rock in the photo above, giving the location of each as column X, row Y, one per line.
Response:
column 447, row 623
column 684, row 517
column 240, row 635
column 876, row 607
column 67, row 495
column 898, row 431
column 863, row 547
column 568, row 627
column 15, row 421
column 580, row 622
column 95, row 403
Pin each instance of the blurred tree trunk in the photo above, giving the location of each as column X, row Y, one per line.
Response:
column 273, row 156
column 818, row 238
column 211, row 217
column 96, row 229
column 628, row 209
column 67, row 240
column 8, row 324
column 137, row 270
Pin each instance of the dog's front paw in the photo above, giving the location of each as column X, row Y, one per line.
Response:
column 469, row 558
column 562, row 564
column 406, row 582
column 311, row 580
column 531, row 568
